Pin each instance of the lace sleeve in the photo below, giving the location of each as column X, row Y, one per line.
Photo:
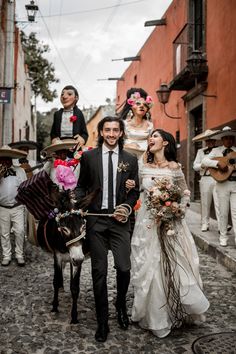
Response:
column 181, row 182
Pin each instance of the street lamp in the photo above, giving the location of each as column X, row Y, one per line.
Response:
column 197, row 64
column 31, row 11
column 163, row 95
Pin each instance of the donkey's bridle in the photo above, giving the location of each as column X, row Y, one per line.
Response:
column 121, row 210
column 83, row 227
column 82, row 235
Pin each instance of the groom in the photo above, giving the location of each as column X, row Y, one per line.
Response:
column 106, row 169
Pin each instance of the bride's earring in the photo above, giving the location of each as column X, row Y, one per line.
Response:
column 130, row 114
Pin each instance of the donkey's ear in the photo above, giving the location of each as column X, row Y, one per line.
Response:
column 86, row 201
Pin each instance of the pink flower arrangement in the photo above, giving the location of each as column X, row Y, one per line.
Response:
column 164, row 201
column 135, row 97
column 149, row 101
column 66, row 177
column 73, row 119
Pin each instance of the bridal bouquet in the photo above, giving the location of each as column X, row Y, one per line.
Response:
column 164, row 202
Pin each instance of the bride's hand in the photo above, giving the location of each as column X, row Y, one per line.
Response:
column 129, row 184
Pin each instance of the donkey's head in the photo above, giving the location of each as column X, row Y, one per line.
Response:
column 71, row 224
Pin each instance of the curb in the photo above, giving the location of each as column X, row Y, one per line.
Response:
column 209, row 241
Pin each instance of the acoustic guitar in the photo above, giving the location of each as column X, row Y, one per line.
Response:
column 230, row 162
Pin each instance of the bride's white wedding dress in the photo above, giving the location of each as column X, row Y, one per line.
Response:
column 150, row 308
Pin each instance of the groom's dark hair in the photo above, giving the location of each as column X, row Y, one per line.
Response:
column 111, row 119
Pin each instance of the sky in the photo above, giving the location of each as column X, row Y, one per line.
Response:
column 84, row 37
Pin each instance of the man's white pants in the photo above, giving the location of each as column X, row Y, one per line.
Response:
column 226, row 193
column 208, row 192
column 12, row 219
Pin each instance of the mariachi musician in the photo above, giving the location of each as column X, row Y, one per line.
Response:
column 221, row 161
column 31, row 168
column 60, row 152
column 11, row 212
column 207, row 182
column 29, row 165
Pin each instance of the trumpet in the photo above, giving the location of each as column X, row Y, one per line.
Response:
column 44, row 155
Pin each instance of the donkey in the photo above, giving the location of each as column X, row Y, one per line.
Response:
column 64, row 236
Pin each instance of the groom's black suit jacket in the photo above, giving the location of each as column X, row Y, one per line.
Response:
column 91, row 179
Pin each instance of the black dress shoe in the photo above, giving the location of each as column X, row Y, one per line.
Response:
column 123, row 318
column 102, row 332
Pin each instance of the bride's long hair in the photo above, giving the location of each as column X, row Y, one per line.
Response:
column 170, row 151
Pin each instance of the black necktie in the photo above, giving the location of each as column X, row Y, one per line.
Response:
column 227, row 151
column 110, row 183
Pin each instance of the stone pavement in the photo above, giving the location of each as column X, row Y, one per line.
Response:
column 209, row 241
column 27, row 325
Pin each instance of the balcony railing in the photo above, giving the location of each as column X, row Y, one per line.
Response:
column 188, row 40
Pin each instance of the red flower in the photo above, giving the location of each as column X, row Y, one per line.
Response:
column 73, row 119
column 137, row 205
column 59, row 162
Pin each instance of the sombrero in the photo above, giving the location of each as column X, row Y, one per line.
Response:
column 7, row 151
column 226, row 131
column 207, row 134
column 29, row 144
column 60, row 145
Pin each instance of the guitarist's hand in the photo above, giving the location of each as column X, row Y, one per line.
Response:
column 222, row 166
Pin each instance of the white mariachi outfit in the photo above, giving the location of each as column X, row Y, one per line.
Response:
column 226, row 193
column 207, row 189
column 12, row 214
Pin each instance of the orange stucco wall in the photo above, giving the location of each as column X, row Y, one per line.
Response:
column 156, row 67
column 221, row 55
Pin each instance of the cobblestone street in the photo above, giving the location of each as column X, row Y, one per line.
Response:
column 27, row 325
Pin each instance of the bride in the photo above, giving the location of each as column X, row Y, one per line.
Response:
column 165, row 265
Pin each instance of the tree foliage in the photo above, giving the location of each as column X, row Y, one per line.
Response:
column 41, row 72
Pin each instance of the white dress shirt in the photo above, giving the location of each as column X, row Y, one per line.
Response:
column 197, row 164
column 9, row 186
column 115, row 157
column 66, row 124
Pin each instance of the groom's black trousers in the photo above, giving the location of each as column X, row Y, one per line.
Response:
column 107, row 233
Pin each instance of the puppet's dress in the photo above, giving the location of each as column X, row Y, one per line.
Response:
column 136, row 139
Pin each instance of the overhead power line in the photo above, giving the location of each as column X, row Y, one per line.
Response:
column 91, row 10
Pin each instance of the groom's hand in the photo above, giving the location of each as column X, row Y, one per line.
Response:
column 122, row 212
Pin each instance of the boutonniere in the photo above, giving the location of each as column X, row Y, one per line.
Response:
column 73, row 119
column 122, row 166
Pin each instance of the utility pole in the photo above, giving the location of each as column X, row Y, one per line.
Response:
column 9, row 72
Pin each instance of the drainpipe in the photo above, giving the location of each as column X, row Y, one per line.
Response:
column 9, row 72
